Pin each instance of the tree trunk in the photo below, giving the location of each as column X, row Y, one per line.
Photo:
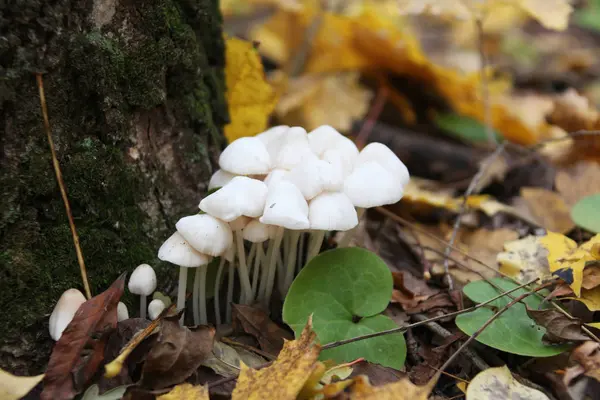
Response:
column 135, row 93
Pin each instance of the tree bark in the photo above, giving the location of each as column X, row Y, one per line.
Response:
column 135, row 93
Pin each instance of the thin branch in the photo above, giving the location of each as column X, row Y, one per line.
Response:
column 485, row 93
column 570, row 135
column 264, row 354
column 489, row 322
column 63, row 190
column 376, row 109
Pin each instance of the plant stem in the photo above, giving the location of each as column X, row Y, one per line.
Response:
column 243, row 270
column 63, row 189
column 201, row 271
column 143, row 307
column 291, row 262
column 196, row 296
column 217, row 287
column 272, row 267
column 181, row 286
column 257, row 269
column 230, row 282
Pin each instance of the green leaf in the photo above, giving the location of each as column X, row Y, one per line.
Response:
column 513, row 331
column 346, row 290
column 586, row 213
column 464, row 128
column 588, row 17
column 93, row 393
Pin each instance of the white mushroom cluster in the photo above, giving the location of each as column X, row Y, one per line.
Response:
column 276, row 196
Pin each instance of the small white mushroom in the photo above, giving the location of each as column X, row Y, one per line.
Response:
column 155, row 307
column 326, row 138
column 220, row 179
column 382, row 154
column 142, row 282
column 122, row 312
column 271, row 139
column 285, row 207
column 314, row 176
column 205, row 233
column 242, row 196
column 371, row 185
column 291, row 149
column 246, row 156
column 276, row 175
column 64, row 311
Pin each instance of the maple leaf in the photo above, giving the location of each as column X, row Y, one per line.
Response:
column 404, row 389
column 250, row 98
column 284, row 379
column 185, row 391
column 80, row 350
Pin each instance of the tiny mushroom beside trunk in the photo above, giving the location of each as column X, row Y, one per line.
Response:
column 155, row 307
column 143, row 283
column 122, row 312
column 64, row 311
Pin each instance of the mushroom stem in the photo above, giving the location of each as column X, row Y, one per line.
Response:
column 243, row 269
column 347, row 236
column 217, row 287
column 181, row 286
column 257, row 263
column 251, row 256
column 201, row 271
column 230, row 281
column 272, row 257
column 143, row 307
column 316, row 241
column 195, row 297
column 284, row 258
column 300, row 255
column 291, row 261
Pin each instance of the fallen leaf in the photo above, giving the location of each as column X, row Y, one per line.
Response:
column 185, row 391
column 559, row 327
column 404, row 389
column 440, row 300
column 93, row 393
column 585, row 213
column 176, row 354
column 257, row 323
column 80, row 351
column 587, row 355
column 250, row 98
column 226, row 360
column 378, row 374
column 498, row 383
column 524, row 259
column 15, row 387
column 320, row 384
column 548, row 208
column 283, row 379
column 579, row 181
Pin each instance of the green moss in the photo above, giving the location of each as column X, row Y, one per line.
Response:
column 171, row 55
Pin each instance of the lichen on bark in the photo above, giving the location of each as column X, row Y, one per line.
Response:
column 136, row 106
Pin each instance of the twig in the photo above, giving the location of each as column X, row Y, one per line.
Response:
column 489, row 322
column 570, row 135
column 437, row 329
column 488, row 162
column 485, row 93
column 376, row 108
column 62, row 187
column 249, row 348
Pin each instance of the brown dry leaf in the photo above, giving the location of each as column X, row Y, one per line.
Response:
column 548, row 208
column 185, row 391
column 559, row 327
column 591, row 277
column 257, row 323
column 250, row 98
column 283, row 379
column 404, row 389
column 440, row 300
column 587, row 355
column 579, row 181
column 176, row 354
column 573, row 112
column 412, row 286
column 79, row 352
column 14, row 387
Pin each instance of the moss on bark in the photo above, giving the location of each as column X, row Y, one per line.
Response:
column 136, row 106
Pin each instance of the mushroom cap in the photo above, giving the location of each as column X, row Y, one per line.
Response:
column 239, row 223
column 122, row 312
column 291, row 149
column 341, row 161
column 241, row 196
column 286, row 207
column 382, row 154
column 257, row 232
column 314, row 176
column 326, row 138
column 205, row 233
column 155, row 307
column 220, row 179
column 64, row 311
column 272, row 136
column 245, row 156
column 276, row 175
column 371, row 185
column 332, row 211
column 142, row 280
column 178, row 251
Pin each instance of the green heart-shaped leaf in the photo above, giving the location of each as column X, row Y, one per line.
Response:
column 513, row 331
column 346, row 290
column 586, row 213
column 465, row 128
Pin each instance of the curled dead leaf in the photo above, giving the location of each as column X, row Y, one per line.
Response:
column 257, row 323
column 559, row 327
column 404, row 389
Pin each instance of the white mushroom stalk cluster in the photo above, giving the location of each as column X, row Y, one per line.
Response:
column 277, row 194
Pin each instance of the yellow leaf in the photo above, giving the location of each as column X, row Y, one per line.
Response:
column 462, row 386
column 524, row 259
column 594, row 325
column 548, row 208
column 404, row 389
column 498, row 383
column 251, row 99
column 589, row 297
column 186, row 391
column 15, row 387
column 284, row 379
column 553, row 14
